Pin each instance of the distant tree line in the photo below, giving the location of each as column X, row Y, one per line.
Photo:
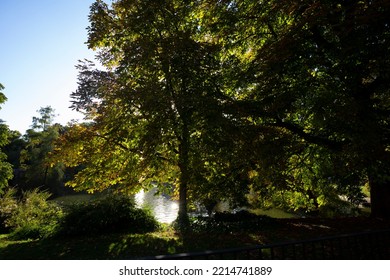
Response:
column 26, row 157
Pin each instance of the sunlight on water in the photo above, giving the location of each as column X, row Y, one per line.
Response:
column 164, row 209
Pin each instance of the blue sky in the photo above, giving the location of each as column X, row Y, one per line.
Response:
column 41, row 41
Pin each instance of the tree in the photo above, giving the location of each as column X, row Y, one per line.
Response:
column 316, row 76
column 39, row 143
column 13, row 150
column 46, row 118
column 157, row 97
column 14, row 147
column 5, row 167
column 217, row 96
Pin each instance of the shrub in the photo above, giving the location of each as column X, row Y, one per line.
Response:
column 242, row 221
column 111, row 213
column 31, row 217
column 8, row 205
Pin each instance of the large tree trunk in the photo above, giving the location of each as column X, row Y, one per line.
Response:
column 378, row 174
column 380, row 197
column 372, row 147
column 182, row 218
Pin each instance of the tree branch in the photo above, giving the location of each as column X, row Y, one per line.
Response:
column 309, row 137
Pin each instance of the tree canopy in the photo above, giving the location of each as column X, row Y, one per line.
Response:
column 318, row 72
column 286, row 100
column 148, row 109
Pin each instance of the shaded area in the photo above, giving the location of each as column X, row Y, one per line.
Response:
column 368, row 245
column 114, row 246
column 169, row 241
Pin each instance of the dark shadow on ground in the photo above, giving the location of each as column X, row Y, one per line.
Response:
column 135, row 246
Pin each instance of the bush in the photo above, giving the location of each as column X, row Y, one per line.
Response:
column 111, row 213
column 31, row 217
column 242, row 221
column 8, row 205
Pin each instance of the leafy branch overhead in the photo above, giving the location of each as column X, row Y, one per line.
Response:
column 284, row 102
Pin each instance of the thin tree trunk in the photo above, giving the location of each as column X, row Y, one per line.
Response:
column 183, row 219
column 45, row 176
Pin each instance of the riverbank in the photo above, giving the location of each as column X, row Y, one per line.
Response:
column 169, row 241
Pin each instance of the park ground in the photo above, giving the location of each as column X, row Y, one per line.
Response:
column 169, row 241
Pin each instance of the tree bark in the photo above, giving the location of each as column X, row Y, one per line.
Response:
column 380, row 197
column 183, row 219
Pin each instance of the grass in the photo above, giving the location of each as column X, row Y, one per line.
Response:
column 109, row 246
column 166, row 240
column 169, row 241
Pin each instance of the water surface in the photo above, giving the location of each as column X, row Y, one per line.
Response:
column 164, row 209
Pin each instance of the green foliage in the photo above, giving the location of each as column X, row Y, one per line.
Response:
column 287, row 99
column 45, row 120
column 14, row 148
column 160, row 80
column 39, row 142
column 8, row 206
column 312, row 80
column 241, row 221
column 309, row 185
column 5, row 167
column 5, row 171
column 111, row 213
column 33, row 216
column 3, row 98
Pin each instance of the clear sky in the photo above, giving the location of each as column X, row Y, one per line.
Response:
column 41, row 41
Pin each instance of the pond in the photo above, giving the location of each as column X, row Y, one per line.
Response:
column 164, row 209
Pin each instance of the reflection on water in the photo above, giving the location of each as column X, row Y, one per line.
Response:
column 164, row 209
